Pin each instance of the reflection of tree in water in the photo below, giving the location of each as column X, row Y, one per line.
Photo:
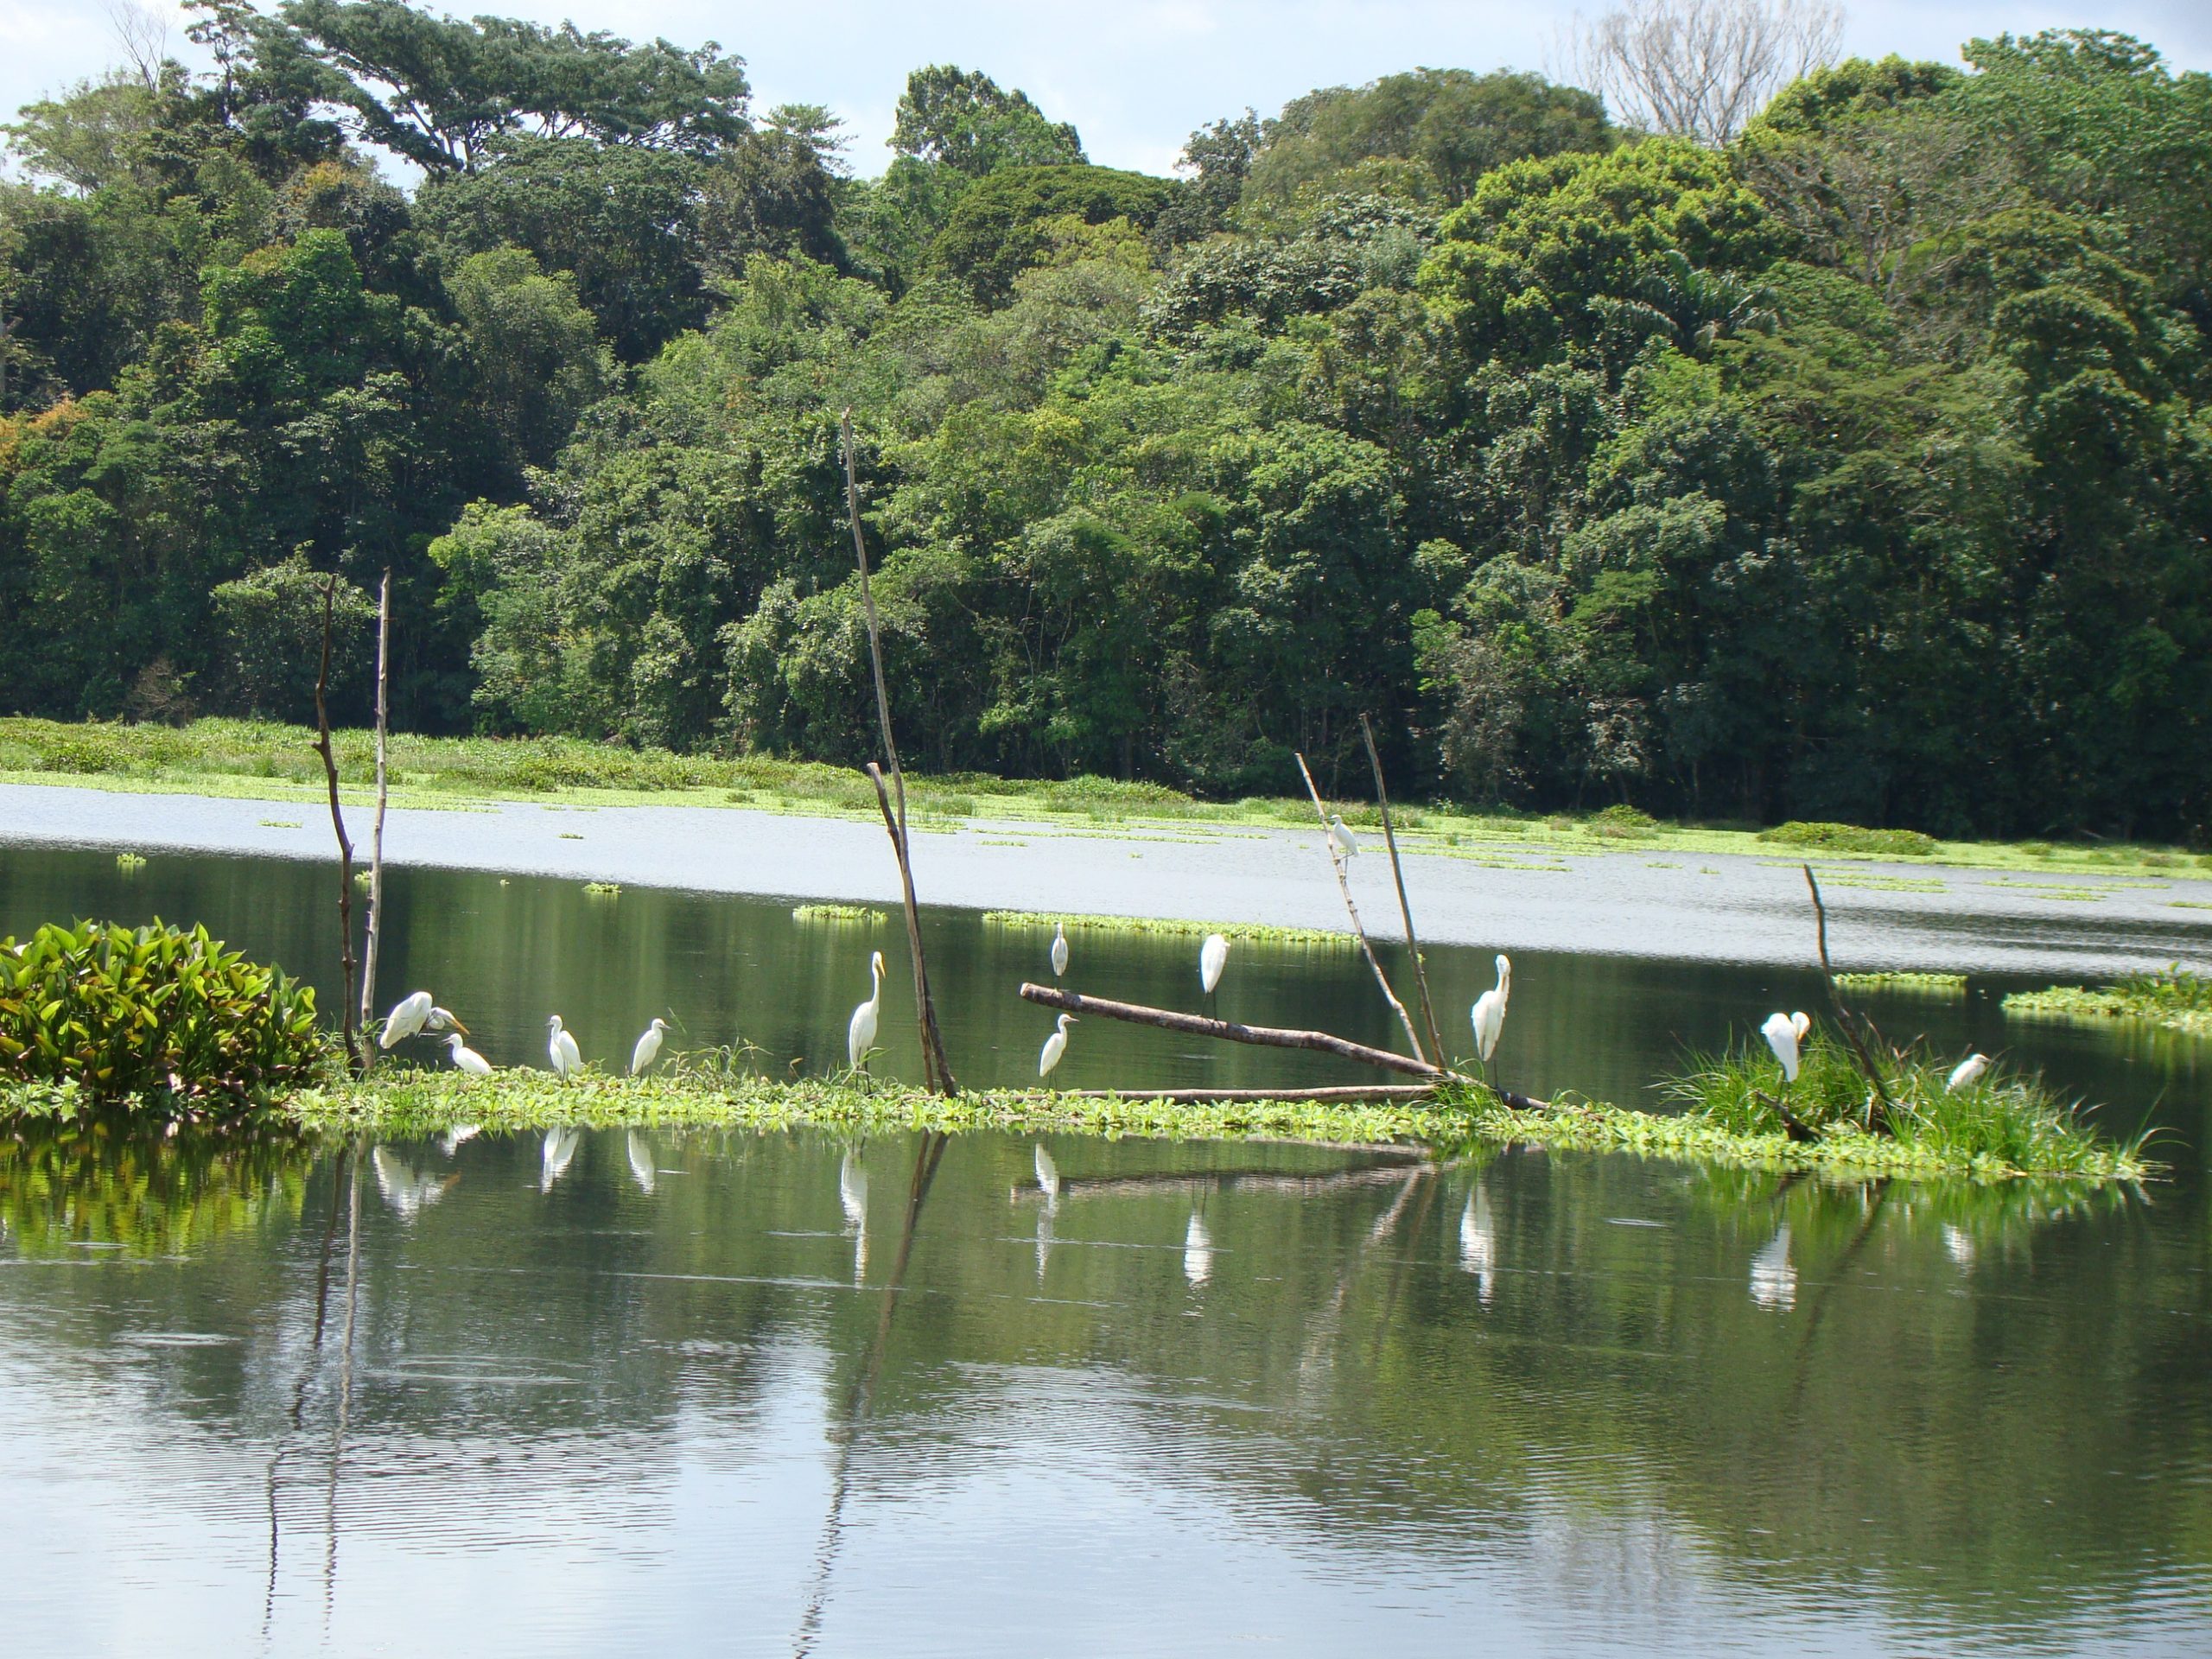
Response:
column 65, row 1188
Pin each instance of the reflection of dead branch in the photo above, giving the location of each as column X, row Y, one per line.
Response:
column 1257, row 1180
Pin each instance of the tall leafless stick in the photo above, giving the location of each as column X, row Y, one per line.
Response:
column 1405, row 909
column 1847, row 1022
column 936, row 1073
column 1336, row 862
column 376, row 836
column 345, row 847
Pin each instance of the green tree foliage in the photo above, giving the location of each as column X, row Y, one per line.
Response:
column 1858, row 472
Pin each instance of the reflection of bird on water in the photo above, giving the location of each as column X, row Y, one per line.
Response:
column 1958, row 1244
column 1197, row 1250
column 1478, row 1244
column 454, row 1138
column 1048, row 1175
column 1774, row 1281
column 416, row 1013
column 560, row 1146
column 852, row 1193
column 406, row 1189
column 466, row 1059
column 1060, row 949
column 860, row 1036
column 561, row 1049
column 641, row 1162
column 1055, row 1046
column 648, row 1048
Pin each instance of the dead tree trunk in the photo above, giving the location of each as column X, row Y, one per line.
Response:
column 376, row 836
column 345, row 847
column 1405, row 908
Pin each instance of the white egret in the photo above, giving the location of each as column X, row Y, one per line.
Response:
column 415, row 1013
column 641, row 1162
column 1800, row 1022
column 1967, row 1072
column 860, row 1036
column 1781, row 1033
column 648, row 1048
column 466, row 1058
column 1488, row 1012
column 1060, row 949
column 1055, row 1046
column 1213, row 956
column 1048, row 1175
column 1197, row 1251
column 1774, row 1281
column 560, row 1146
column 1341, row 841
column 560, row 1048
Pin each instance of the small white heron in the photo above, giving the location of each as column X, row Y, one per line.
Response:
column 1055, row 1047
column 1488, row 1012
column 1341, row 841
column 467, row 1059
column 860, row 1036
column 1967, row 1072
column 1060, row 949
column 415, row 1013
column 560, row 1048
column 648, row 1048
column 1213, row 956
column 1783, row 1035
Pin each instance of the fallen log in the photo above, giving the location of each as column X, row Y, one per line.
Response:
column 1198, row 1026
column 1354, row 1092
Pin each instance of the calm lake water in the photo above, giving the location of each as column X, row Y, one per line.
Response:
column 607, row 1392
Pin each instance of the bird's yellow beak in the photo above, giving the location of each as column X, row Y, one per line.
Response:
column 462, row 1029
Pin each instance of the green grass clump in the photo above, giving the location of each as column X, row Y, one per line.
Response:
column 603, row 889
column 2008, row 1122
column 856, row 913
column 154, row 1018
column 2176, row 999
column 1850, row 838
column 1034, row 921
column 1906, row 984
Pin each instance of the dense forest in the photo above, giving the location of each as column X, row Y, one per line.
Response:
column 1857, row 466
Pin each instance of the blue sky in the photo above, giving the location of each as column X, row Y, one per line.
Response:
column 1135, row 77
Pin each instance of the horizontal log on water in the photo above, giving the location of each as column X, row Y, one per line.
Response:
column 1265, row 1036
column 1109, row 1186
column 1351, row 1092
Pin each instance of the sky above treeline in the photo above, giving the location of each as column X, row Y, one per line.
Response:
column 1135, row 77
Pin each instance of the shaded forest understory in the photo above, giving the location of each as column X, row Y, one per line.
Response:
column 1859, row 468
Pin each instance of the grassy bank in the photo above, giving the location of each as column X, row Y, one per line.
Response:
column 2175, row 1000
column 260, row 761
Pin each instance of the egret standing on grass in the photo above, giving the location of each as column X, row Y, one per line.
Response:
column 1213, row 956
column 1783, row 1032
column 414, row 1014
column 466, row 1058
column 1967, row 1073
column 1060, row 949
column 648, row 1048
column 1489, row 1012
column 1055, row 1046
column 560, row 1048
column 1341, row 841
column 860, row 1036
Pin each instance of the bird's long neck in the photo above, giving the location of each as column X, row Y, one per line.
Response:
column 875, row 982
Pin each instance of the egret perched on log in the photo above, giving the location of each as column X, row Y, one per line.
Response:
column 1055, row 1046
column 860, row 1036
column 413, row 1013
column 1341, row 841
column 1783, row 1032
column 1489, row 1012
column 1213, row 956
column 466, row 1058
column 1060, row 949
column 1967, row 1072
column 648, row 1048
column 560, row 1048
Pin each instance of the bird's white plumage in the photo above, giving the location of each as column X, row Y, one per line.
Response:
column 648, row 1048
column 641, row 1162
column 1048, row 1172
column 1055, row 1046
column 1967, row 1073
column 1488, row 1014
column 860, row 1036
column 1781, row 1033
column 466, row 1058
column 1801, row 1023
column 1197, row 1251
column 1060, row 949
column 560, row 1048
column 560, row 1146
column 1213, row 956
column 407, row 1017
column 1342, row 839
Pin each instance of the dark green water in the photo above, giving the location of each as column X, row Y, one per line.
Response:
column 714, row 1393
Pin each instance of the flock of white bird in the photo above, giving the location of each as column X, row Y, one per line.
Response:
column 1785, row 1034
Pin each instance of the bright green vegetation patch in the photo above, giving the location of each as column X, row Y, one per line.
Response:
column 2005, row 1123
column 1906, row 984
column 2176, row 999
column 156, row 1017
column 1850, row 838
column 859, row 914
column 603, row 889
column 1034, row 921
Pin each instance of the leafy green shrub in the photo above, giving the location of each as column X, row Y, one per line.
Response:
column 2037, row 848
column 1622, row 816
column 1850, row 838
column 153, row 1011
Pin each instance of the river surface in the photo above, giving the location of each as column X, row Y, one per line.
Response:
column 610, row 1392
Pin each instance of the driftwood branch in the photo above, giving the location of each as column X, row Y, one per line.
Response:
column 1879, row 1108
column 1405, row 909
column 1260, row 1181
column 1347, row 1092
column 345, row 847
column 936, row 1072
column 1337, row 863
column 376, row 836
column 1792, row 1125
column 1198, row 1026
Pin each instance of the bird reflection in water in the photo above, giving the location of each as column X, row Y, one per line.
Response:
column 1774, row 1281
column 641, row 1162
column 852, row 1193
column 406, row 1189
column 560, row 1148
column 1478, row 1244
column 1048, row 1183
column 1197, row 1251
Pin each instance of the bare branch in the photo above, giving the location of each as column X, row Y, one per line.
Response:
column 1699, row 69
